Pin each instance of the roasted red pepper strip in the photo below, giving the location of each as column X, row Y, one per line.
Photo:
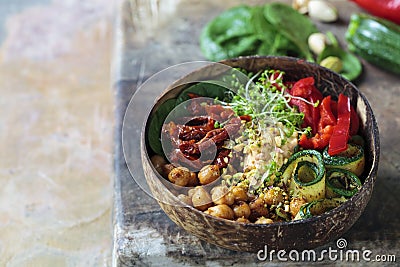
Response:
column 315, row 114
column 305, row 88
column 387, row 9
column 319, row 141
column 326, row 114
column 340, row 135
column 354, row 121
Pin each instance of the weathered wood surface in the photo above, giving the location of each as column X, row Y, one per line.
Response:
column 143, row 234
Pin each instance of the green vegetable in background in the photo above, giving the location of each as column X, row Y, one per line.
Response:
column 351, row 66
column 293, row 25
column 376, row 40
column 271, row 29
column 228, row 35
column 274, row 29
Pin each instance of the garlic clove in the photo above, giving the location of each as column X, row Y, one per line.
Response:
column 322, row 11
column 317, row 42
column 300, row 5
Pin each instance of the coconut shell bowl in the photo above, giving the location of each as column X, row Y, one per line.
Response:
column 249, row 236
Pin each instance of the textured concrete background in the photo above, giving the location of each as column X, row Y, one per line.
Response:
column 55, row 131
column 10, row 7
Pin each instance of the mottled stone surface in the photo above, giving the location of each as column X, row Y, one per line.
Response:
column 56, row 133
column 143, row 234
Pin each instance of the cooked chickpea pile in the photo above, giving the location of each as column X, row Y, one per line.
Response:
column 232, row 203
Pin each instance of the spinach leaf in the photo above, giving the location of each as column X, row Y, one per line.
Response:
column 271, row 29
column 293, row 25
column 264, row 31
column 352, row 67
column 156, row 122
column 219, row 38
column 241, row 46
column 211, row 89
column 272, row 41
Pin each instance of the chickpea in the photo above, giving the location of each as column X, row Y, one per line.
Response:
column 179, row 176
column 221, row 195
column 208, row 174
column 242, row 220
column 263, row 220
column 239, row 193
column 241, row 210
column 221, row 211
column 191, row 192
column 185, row 199
column 166, row 169
column 273, row 196
column 258, row 208
column 193, row 180
column 200, row 198
column 295, row 205
column 158, row 163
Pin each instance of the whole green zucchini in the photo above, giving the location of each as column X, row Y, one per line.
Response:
column 376, row 40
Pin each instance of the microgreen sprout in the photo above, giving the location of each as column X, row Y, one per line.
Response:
column 266, row 99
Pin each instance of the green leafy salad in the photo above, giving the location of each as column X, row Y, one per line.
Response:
column 273, row 29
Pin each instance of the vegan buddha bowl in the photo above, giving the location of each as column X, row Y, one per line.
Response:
column 258, row 151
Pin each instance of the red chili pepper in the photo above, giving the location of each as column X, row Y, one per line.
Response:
column 340, row 135
column 387, row 9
